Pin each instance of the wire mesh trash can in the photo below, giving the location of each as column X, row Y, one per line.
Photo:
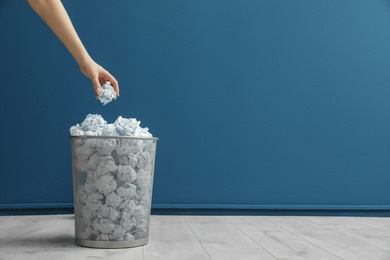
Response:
column 112, row 186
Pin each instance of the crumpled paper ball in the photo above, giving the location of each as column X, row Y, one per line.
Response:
column 107, row 93
column 94, row 124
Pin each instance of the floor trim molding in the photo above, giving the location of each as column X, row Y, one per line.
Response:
column 214, row 209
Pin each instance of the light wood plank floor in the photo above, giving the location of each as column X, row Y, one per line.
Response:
column 51, row 237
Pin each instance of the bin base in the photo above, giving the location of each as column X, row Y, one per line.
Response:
column 111, row 244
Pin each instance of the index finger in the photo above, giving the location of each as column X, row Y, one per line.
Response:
column 115, row 85
column 96, row 86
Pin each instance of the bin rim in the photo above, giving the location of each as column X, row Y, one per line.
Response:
column 111, row 137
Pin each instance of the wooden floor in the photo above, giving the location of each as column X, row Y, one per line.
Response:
column 207, row 237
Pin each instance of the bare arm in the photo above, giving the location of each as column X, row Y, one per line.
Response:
column 56, row 17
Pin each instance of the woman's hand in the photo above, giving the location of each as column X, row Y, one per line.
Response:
column 98, row 75
column 56, row 17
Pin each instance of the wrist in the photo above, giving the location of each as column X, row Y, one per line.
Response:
column 84, row 60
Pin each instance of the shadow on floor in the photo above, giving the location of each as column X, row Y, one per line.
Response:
column 59, row 241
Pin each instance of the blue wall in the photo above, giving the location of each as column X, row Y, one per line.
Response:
column 257, row 103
